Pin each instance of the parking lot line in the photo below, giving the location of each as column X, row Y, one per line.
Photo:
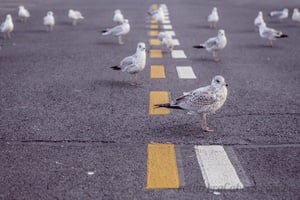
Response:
column 156, row 53
column 178, row 54
column 157, row 71
column 153, row 33
column 162, row 171
column 154, row 26
column 216, row 168
column 154, row 42
column 185, row 72
column 158, row 97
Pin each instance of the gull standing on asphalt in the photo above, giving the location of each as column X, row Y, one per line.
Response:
column 23, row 13
column 49, row 21
column 75, row 15
column 213, row 18
column 118, row 17
column 118, row 31
column 258, row 20
column 166, row 41
column 280, row 15
column 270, row 33
column 296, row 15
column 7, row 27
column 135, row 63
column 158, row 15
column 203, row 101
column 214, row 44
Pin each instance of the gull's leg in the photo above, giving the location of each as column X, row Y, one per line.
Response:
column 120, row 39
column 204, row 124
column 270, row 43
column 8, row 35
column 74, row 22
column 215, row 55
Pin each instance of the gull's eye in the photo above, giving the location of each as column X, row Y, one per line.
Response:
column 218, row 81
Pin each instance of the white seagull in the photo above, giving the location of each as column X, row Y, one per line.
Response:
column 280, row 15
column 203, row 101
column 258, row 20
column 118, row 17
column 23, row 13
column 166, row 41
column 214, row 44
column 213, row 18
column 158, row 15
column 49, row 21
column 75, row 15
column 296, row 15
column 7, row 27
column 135, row 63
column 270, row 33
column 118, row 31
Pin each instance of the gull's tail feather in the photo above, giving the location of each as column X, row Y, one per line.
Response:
column 116, row 68
column 104, row 32
column 282, row 36
column 167, row 105
column 198, row 46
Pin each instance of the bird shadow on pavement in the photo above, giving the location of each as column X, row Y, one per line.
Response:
column 206, row 59
column 115, row 83
column 37, row 31
column 260, row 46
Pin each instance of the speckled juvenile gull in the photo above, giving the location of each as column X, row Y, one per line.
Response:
column 49, row 21
column 214, row 44
column 203, row 101
column 7, row 26
column 213, row 18
column 135, row 63
column 118, row 31
column 75, row 15
column 270, row 33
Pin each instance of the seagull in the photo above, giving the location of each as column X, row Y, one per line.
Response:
column 258, row 20
column 203, row 101
column 166, row 41
column 158, row 15
column 119, row 30
column 296, row 15
column 118, row 17
column 75, row 15
column 213, row 18
column 135, row 63
column 49, row 21
column 270, row 33
column 280, row 15
column 23, row 13
column 214, row 44
column 7, row 27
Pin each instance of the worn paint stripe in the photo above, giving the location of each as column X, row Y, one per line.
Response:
column 166, row 22
column 216, row 168
column 185, row 72
column 167, row 27
column 153, row 26
column 158, row 97
column 176, row 42
column 155, row 53
column 153, row 33
column 178, row 54
column 162, row 171
column 152, row 21
column 154, row 42
column 171, row 33
column 157, row 71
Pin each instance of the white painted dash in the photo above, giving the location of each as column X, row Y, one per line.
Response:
column 216, row 168
column 176, row 42
column 185, row 72
column 178, row 54
column 167, row 27
column 166, row 22
column 171, row 33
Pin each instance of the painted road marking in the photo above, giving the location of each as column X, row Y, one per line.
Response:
column 154, row 42
column 216, row 168
column 167, row 27
column 155, row 53
column 153, row 33
column 152, row 21
column 178, row 54
column 153, row 26
column 162, row 171
column 185, row 72
column 157, row 71
column 166, row 22
column 171, row 33
column 158, row 97
column 176, row 42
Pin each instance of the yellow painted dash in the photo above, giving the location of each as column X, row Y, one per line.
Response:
column 153, row 26
column 162, row 171
column 154, row 42
column 153, row 33
column 158, row 97
column 155, row 53
column 157, row 71
column 152, row 21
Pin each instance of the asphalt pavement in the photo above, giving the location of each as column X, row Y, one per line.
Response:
column 72, row 128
